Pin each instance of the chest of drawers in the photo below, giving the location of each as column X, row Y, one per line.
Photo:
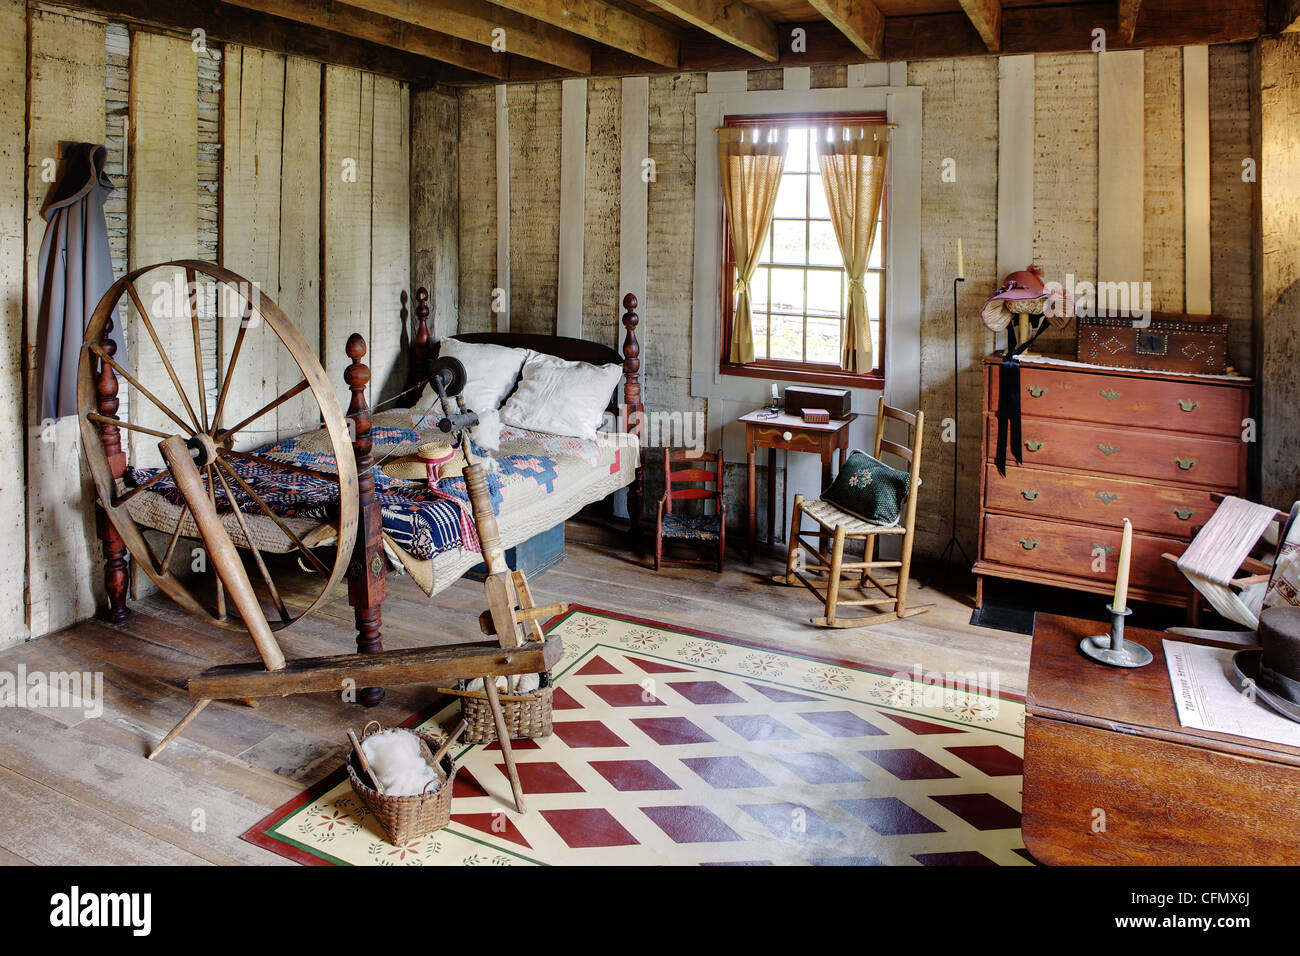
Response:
column 1098, row 446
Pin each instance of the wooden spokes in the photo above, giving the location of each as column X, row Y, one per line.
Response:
column 207, row 347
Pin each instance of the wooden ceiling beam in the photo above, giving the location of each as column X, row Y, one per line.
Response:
column 1283, row 16
column 859, row 20
column 364, row 25
column 1128, row 19
column 986, row 16
column 226, row 23
column 481, row 22
column 731, row 20
column 607, row 24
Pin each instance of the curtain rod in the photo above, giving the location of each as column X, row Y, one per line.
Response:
column 828, row 125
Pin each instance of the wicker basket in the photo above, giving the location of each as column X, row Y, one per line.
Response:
column 406, row 818
column 528, row 716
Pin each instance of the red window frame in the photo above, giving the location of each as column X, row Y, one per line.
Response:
column 811, row 372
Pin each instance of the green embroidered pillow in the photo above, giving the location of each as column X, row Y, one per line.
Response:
column 869, row 489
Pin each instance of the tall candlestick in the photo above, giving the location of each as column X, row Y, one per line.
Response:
column 961, row 263
column 775, row 395
column 1121, row 576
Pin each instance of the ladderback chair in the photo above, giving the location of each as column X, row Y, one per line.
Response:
column 686, row 478
column 822, row 570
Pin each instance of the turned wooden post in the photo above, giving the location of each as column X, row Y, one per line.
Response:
column 116, row 568
column 366, row 573
column 422, row 342
column 633, row 414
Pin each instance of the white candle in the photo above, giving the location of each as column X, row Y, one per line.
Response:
column 1121, row 577
column 775, row 395
column 961, row 263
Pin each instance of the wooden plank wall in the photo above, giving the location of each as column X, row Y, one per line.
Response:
column 66, row 102
column 13, row 499
column 1059, row 196
column 209, row 132
column 435, row 204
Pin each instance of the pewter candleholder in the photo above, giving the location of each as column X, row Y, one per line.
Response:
column 1112, row 648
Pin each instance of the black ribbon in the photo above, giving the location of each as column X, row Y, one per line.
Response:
column 1009, row 396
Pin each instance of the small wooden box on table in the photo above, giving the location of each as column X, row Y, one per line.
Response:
column 791, row 433
column 1098, row 446
column 1108, row 739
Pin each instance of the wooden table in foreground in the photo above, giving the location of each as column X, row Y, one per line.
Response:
column 791, row 433
column 1107, row 739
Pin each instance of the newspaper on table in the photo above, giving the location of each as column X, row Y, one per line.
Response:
column 1209, row 696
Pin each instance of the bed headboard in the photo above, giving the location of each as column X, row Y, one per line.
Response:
column 631, row 412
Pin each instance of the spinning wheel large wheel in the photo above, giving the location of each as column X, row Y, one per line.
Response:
column 168, row 396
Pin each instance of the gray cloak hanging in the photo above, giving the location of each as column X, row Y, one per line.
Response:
column 75, row 270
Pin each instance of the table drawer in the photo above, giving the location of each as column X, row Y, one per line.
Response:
column 1047, row 392
column 1089, row 499
column 1063, row 548
column 1127, row 452
column 774, row 437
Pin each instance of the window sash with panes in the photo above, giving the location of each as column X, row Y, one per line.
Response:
column 799, row 292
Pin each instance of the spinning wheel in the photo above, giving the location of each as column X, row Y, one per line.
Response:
column 169, row 396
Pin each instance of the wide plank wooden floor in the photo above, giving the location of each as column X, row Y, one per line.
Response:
column 78, row 789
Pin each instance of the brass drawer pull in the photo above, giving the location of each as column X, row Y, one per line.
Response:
column 1107, row 497
column 1033, row 445
column 1106, row 549
column 1029, row 494
column 1108, row 449
column 1037, row 391
column 1185, row 463
column 1110, row 394
column 1187, row 405
column 1182, row 514
column 1028, row 544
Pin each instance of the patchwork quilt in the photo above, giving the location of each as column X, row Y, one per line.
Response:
column 530, row 466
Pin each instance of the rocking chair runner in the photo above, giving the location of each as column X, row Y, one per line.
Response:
column 839, row 526
column 691, row 529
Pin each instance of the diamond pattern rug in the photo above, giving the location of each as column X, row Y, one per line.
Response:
column 679, row 747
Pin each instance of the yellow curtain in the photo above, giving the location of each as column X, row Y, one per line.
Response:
column 749, row 161
column 852, row 161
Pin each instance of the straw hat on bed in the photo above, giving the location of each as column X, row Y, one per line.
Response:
column 449, row 460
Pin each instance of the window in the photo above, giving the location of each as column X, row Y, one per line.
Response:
column 799, row 292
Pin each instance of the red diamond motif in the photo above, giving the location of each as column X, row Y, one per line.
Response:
column 908, row 764
column 655, row 667
column 587, row 733
column 465, row 785
column 726, row 773
column 983, row 811
column 497, row 824
column 705, row 692
column 588, row 827
column 819, row 768
column 597, row 666
column 958, row 858
column 691, row 824
column 523, row 743
column 631, row 775
column 672, row 731
column 544, row 777
column 625, row 695
column 779, row 694
column 562, row 700
column 992, row 759
column 924, row 726
column 792, row 821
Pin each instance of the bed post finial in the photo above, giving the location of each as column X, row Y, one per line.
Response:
column 115, row 563
column 633, row 412
column 366, row 583
column 422, row 342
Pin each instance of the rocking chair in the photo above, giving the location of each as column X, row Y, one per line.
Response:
column 840, row 526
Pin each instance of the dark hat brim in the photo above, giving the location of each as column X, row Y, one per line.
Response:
column 1246, row 665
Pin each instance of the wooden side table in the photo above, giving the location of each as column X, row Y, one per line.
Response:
column 1108, row 739
column 791, row 433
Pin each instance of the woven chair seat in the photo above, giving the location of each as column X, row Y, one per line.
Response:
column 692, row 527
column 830, row 517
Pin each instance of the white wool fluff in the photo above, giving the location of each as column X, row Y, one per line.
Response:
column 526, row 683
column 487, row 433
column 398, row 762
column 476, row 685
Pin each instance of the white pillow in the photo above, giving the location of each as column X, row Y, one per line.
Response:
column 561, row 398
column 490, row 372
